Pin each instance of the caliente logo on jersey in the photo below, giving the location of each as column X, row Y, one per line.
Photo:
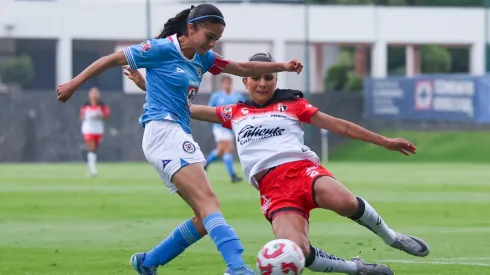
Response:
column 252, row 133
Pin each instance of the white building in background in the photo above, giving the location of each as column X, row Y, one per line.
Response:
column 279, row 29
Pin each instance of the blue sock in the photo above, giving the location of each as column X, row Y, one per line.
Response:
column 229, row 163
column 183, row 236
column 213, row 156
column 225, row 239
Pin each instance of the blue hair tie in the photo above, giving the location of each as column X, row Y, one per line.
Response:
column 205, row 16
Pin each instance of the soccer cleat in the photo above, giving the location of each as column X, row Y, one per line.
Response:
column 244, row 270
column 412, row 245
column 364, row 268
column 136, row 262
column 235, row 179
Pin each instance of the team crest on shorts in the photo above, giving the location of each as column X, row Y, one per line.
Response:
column 188, row 147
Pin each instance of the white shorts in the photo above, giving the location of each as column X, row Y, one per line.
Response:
column 223, row 134
column 168, row 148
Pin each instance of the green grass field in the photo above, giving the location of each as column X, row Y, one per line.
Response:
column 54, row 220
column 450, row 146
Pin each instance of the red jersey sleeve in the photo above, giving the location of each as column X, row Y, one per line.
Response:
column 304, row 110
column 225, row 114
column 105, row 110
column 218, row 63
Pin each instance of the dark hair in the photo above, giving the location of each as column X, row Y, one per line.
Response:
column 204, row 13
column 262, row 57
column 225, row 77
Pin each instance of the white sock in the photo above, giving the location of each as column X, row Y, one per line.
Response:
column 92, row 162
column 369, row 218
column 321, row 261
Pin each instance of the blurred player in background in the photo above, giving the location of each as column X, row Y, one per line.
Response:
column 224, row 137
column 93, row 113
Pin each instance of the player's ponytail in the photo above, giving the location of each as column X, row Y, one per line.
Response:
column 177, row 24
column 204, row 13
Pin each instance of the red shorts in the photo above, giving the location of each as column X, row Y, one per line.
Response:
column 93, row 137
column 290, row 188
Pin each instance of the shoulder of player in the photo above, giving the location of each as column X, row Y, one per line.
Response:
column 160, row 44
column 204, row 58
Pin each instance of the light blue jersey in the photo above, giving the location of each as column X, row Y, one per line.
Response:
column 221, row 98
column 172, row 80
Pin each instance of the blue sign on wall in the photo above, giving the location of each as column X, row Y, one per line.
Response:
column 445, row 97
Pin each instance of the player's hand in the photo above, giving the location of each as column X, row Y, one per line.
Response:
column 293, row 66
column 65, row 91
column 401, row 145
column 135, row 76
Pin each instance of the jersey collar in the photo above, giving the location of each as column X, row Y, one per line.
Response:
column 279, row 96
column 175, row 41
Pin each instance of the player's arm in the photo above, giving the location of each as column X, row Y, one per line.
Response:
column 218, row 64
column 351, row 130
column 346, row 128
column 106, row 112
column 99, row 66
column 145, row 55
column 204, row 113
column 254, row 68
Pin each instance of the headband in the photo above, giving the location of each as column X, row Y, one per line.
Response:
column 205, row 16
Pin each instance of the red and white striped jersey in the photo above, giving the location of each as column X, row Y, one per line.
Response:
column 268, row 136
column 93, row 118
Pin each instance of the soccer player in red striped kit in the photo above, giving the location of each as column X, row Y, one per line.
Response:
column 93, row 114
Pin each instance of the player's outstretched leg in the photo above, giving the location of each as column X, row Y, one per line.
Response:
column 196, row 190
column 332, row 195
column 294, row 227
column 182, row 237
column 320, row 261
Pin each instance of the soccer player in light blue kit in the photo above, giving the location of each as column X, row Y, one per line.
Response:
column 175, row 62
column 224, row 137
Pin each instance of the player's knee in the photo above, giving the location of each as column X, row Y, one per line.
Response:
column 208, row 203
column 220, row 151
column 227, row 146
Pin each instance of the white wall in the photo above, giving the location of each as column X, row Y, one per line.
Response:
column 281, row 26
column 125, row 20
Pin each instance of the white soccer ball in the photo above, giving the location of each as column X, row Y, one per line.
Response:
column 279, row 257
